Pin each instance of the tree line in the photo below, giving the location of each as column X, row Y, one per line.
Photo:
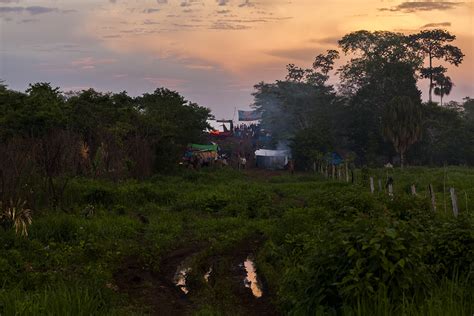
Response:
column 374, row 113
column 48, row 137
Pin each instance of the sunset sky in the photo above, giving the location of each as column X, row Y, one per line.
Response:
column 211, row 51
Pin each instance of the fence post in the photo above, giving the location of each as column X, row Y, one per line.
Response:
column 467, row 205
column 454, row 202
column 380, row 185
column 413, row 189
column 372, row 189
column 432, row 197
column 390, row 189
column 347, row 172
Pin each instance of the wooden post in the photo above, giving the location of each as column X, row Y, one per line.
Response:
column 347, row 172
column 333, row 171
column 467, row 205
column 380, row 185
column 390, row 189
column 432, row 197
column 413, row 189
column 372, row 189
column 454, row 202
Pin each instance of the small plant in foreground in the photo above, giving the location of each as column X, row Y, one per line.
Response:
column 16, row 215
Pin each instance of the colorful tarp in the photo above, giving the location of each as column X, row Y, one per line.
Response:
column 249, row 115
column 202, row 147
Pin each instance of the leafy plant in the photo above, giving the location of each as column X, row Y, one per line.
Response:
column 16, row 215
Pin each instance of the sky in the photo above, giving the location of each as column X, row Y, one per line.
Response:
column 211, row 51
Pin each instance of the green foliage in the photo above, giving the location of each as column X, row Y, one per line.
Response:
column 327, row 248
column 59, row 300
column 402, row 120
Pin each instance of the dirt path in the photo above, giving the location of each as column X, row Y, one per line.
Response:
column 249, row 303
column 157, row 294
column 229, row 273
column 156, row 290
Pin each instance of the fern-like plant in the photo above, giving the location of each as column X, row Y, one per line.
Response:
column 16, row 215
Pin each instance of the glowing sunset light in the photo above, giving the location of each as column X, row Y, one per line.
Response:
column 211, row 51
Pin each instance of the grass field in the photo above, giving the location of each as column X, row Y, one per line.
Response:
column 319, row 247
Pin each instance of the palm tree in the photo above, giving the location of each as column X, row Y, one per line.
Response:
column 443, row 86
column 402, row 124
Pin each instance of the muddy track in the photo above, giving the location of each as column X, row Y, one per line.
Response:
column 155, row 290
column 248, row 302
column 157, row 294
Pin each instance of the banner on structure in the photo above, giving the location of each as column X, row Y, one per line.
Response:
column 249, row 115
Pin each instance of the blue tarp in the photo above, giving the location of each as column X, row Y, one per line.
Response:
column 334, row 158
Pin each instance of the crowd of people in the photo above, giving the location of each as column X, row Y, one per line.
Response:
column 244, row 131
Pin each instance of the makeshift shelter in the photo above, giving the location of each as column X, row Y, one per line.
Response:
column 204, row 152
column 272, row 159
column 199, row 147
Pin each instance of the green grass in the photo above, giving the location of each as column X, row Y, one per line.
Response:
column 330, row 248
column 69, row 300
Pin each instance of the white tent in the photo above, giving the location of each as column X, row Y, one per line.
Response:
column 272, row 159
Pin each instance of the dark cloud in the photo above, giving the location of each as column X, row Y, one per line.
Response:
column 9, row 1
column 150, row 22
column 332, row 40
column 414, row 6
column 228, row 26
column 223, row 11
column 222, row 2
column 242, row 21
column 182, row 25
column 112, row 36
column 151, row 10
column 28, row 21
column 246, row 3
column 434, row 25
column 303, row 54
column 33, row 10
column 113, row 1
column 40, row 10
column 162, row 1
column 11, row 9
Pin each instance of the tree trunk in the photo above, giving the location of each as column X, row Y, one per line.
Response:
column 402, row 159
column 431, row 76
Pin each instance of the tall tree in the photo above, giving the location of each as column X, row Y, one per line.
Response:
column 382, row 66
column 442, row 86
column 434, row 44
column 371, row 52
column 402, row 124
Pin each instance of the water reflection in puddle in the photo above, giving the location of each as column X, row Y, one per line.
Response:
column 251, row 278
column 180, row 278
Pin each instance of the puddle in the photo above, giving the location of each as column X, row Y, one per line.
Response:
column 180, row 278
column 251, row 280
column 208, row 275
